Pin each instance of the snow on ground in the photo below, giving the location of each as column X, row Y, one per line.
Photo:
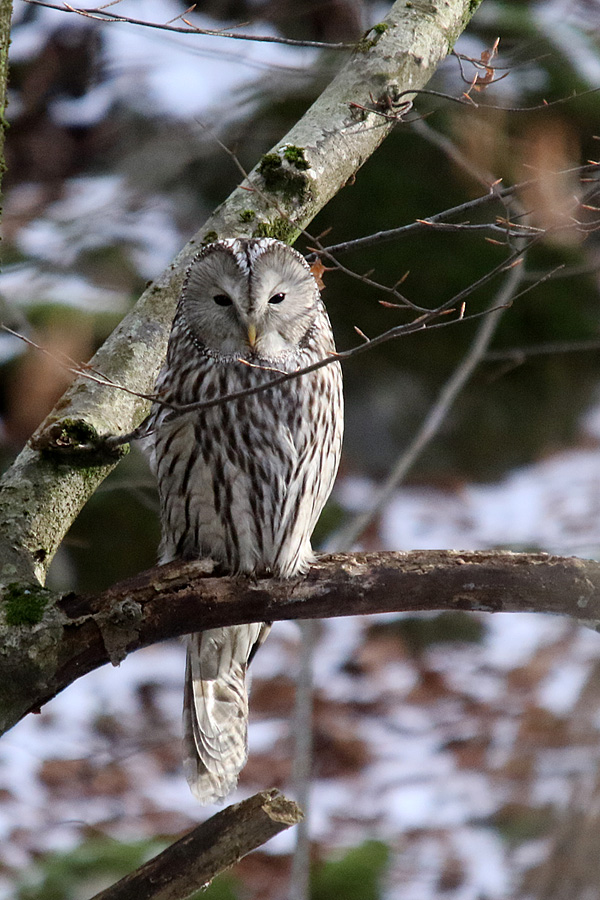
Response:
column 93, row 213
column 553, row 504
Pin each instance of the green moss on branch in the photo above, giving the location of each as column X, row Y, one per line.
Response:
column 279, row 228
column 284, row 174
column 25, row 605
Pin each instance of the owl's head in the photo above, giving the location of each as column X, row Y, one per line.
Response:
column 249, row 297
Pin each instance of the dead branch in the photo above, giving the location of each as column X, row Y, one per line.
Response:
column 75, row 634
column 192, row 862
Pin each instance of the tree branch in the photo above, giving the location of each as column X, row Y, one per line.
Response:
column 214, row 846
column 39, row 498
column 74, row 634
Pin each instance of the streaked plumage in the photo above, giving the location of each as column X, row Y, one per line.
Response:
column 242, row 482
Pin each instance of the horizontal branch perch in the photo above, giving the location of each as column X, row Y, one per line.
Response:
column 214, row 846
column 75, row 634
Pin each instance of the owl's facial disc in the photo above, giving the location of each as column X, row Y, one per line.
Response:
column 250, row 298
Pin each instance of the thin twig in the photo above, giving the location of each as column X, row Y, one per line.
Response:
column 422, row 323
column 494, row 194
column 100, row 15
column 468, row 100
column 520, row 354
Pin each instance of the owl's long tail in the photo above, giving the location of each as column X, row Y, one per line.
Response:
column 215, row 707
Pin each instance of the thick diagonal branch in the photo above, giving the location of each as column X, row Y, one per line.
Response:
column 39, row 498
column 214, row 846
column 76, row 634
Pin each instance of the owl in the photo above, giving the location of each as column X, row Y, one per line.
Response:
column 242, row 482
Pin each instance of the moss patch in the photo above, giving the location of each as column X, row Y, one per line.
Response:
column 247, row 215
column 66, row 434
column 295, row 156
column 210, row 237
column 76, row 431
column 278, row 228
column 284, row 175
column 77, row 442
column 25, row 605
column 378, row 30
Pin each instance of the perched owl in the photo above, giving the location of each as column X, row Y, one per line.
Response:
column 243, row 482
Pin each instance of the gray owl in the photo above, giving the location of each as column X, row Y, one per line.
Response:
column 243, row 482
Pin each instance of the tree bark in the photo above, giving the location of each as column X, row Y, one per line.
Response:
column 39, row 497
column 214, row 846
column 50, row 641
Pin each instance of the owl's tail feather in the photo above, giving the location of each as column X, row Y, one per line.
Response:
column 215, row 707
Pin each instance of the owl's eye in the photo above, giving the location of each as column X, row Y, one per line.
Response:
column 222, row 300
column 276, row 298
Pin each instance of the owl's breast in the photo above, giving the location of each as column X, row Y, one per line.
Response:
column 244, row 481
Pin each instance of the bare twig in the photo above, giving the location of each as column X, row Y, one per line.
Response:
column 467, row 100
column 510, row 229
column 192, row 862
column 425, row 322
column 589, row 268
column 99, row 14
column 453, row 386
column 520, row 354
column 494, row 194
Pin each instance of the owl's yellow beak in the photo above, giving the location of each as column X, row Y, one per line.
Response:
column 252, row 335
